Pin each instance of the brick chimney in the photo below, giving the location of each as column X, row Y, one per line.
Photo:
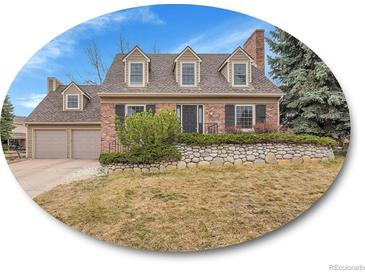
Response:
column 255, row 47
column 52, row 84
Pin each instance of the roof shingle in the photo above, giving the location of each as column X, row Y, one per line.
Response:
column 162, row 77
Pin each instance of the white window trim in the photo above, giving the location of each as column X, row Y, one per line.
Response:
column 181, row 74
column 253, row 116
column 143, row 74
column 78, row 101
column 232, row 76
column 133, row 105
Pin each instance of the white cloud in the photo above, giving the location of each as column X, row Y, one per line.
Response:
column 30, row 102
column 223, row 38
column 57, row 47
column 66, row 43
column 143, row 14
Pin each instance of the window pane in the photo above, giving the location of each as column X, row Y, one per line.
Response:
column 239, row 74
column 188, row 74
column 134, row 109
column 136, row 73
column 72, row 101
column 244, row 116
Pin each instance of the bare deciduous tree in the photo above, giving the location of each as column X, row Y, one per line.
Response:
column 123, row 44
column 155, row 47
column 96, row 61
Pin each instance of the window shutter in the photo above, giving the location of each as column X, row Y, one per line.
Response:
column 260, row 113
column 151, row 108
column 120, row 113
column 229, row 115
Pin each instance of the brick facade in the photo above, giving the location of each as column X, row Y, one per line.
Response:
column 108, row 133
column 213, row 113
column 162, row 106
column 255, row 47
column 272, row 113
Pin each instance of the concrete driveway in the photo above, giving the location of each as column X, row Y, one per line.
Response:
column 37, row 176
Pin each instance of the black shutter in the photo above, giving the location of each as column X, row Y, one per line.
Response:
column 151, row 108
column 260, row 113
column 120, row 113
column 229, row 116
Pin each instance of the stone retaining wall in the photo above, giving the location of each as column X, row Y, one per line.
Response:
column 229, row 155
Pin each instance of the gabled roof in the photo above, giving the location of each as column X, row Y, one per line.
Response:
column 231, row 55
column 78, row 87
column 162, row 78
column 188, row 49
column 136, row 48
column 50, row 109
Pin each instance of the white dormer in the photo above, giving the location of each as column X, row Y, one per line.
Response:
column 74, row 98
column 136, row 68
column 187, row 68
column 237, row 68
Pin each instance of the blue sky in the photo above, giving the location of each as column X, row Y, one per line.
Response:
column 171, row 27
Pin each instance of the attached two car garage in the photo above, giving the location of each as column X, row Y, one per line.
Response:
column 75, row 143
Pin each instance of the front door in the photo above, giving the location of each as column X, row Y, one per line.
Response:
column 189, row 118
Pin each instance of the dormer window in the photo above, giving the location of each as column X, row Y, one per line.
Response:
column 188, row 74
column 239, row 74
column 73, row 101
column 136, row 74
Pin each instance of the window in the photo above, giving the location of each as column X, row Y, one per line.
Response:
column 239, row 74
column 72, row 101
column 188, row 74
column 134, row 109
column 244, row 117
column 136, row 73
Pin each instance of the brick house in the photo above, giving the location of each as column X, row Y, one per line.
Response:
column 210, row 93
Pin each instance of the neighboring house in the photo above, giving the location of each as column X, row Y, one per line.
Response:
column 210, row 92
column 18, row 135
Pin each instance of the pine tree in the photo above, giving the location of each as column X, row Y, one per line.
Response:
column 6, row 122
column 313, row 102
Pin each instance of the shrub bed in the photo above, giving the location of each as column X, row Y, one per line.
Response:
column 253, row 138
column 142, row 155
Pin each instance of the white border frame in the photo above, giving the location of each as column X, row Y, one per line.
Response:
column 143, row 74
column 253, row 116
column 195, row 74
column 232, row 76
column 78, row 102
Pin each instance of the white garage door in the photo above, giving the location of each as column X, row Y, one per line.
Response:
column 50, row 144
column 85, row 143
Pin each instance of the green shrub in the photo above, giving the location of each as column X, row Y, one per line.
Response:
column 148, row 154
column 149, row 138
column 144, row 129
column 252, row 138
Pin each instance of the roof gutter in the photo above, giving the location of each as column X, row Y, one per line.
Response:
column 179, row 95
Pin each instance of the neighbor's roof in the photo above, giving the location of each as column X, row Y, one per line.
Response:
column 51, row 108
column 162, row 77
column 19, row 120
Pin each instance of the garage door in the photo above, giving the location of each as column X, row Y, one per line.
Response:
column 50, row 144
column 85, row 144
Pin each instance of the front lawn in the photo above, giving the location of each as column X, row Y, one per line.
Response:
column 190, row 209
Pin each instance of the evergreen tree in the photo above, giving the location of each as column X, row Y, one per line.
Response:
column 6, row 122
column 313, row 102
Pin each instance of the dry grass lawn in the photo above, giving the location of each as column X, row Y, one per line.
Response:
column 190, row 209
